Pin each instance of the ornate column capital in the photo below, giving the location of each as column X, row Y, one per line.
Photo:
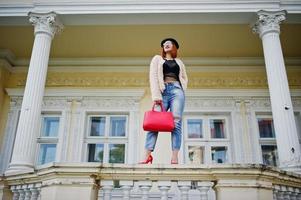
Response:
column 268, row 21
column 48, row 23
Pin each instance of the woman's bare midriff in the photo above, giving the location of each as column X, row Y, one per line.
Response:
column 170, row 79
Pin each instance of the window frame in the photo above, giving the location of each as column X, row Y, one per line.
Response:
column 106, row 140
column 48, row 140
column 269, row 141
column 207, row 142
column 297, row 114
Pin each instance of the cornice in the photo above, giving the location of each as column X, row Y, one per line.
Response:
column 141, row 64
column 143, row 6
column 128, row 11
column 156, row 172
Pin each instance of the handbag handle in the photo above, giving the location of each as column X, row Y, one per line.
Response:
column 161, row 105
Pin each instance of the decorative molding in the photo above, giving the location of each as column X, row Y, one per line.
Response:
column 118, row 104
column 103, row 99
column 261, row 103
column 54, row 102
column 48, row 23
column 268, row 22
column 230, row 99
column 230, row 80
column 208, row 103
column 121, row 80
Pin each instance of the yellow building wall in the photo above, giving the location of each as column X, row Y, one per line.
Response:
column 207, row 80
column 4, row 101
column 254, row 80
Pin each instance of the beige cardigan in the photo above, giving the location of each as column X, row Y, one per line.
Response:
column 156, row 76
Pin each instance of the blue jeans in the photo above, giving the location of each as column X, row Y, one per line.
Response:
column 174, row 99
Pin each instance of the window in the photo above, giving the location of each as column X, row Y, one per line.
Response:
column 298, row 124
column 219, row 154
column 267, row 140
column 48, row 139
column 195, row 128
column 217, row 128
column 196, row 154
column 266, row 128
column 106, row 138
column 269, row 155
column 206, row 139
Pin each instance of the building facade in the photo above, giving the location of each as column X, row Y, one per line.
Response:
column 74, row 89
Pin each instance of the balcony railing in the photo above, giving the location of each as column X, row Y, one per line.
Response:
column 119, row 181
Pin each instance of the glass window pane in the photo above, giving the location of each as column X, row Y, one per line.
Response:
column 195, row 129
column 196, row 154
column 217, row 128
column 116, row 153
column 50, row 126
column 95, row 152
column 269, row 155
column 266, row 128
column 219, row 154
column 97, row 126
column 47, row 153
column 117, row 126
column 298, row 124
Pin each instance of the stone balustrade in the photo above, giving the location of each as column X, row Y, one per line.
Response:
column 26, row 191
column 182, row 190
column 121, row 181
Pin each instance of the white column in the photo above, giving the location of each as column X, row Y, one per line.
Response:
column 268, row 28
column 45, row 27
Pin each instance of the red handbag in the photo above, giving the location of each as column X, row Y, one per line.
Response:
column 158, row 120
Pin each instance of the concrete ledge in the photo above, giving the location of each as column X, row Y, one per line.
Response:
column 84, row 179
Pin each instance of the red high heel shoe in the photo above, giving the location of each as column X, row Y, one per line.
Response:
column 149, row 159
column 173, row 162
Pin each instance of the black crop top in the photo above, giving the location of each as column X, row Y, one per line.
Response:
column 171, row 69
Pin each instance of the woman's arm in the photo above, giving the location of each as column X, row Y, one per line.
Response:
column 153, row 78
column 184, row 74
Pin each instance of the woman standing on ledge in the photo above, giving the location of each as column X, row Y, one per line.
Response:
column 168, row 80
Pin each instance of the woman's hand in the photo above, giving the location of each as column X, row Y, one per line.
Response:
column 158, row 101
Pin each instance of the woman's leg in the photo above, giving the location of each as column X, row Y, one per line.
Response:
column 151, row 137
column 177, row 107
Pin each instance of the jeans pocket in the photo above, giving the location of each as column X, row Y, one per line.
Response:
column 178, row 86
